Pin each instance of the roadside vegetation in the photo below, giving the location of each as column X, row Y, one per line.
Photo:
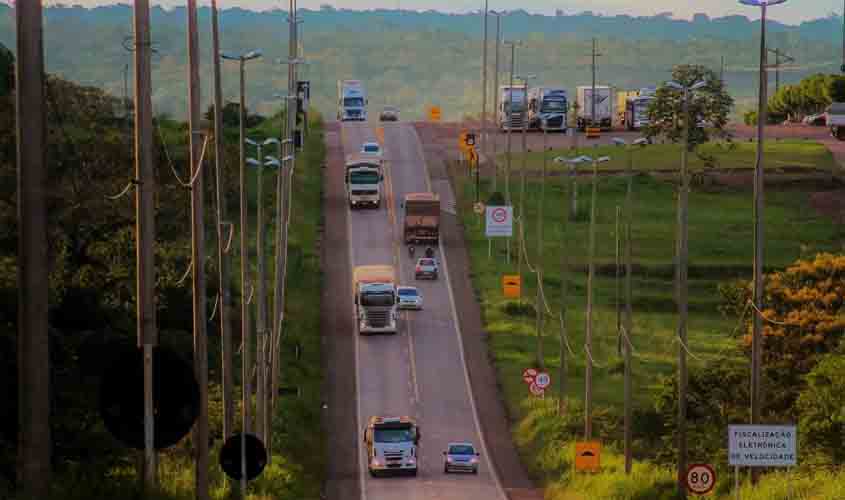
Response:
column 800, row 382
column 92, row 296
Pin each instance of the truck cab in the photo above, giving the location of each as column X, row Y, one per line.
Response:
column 636, row 109
column 352, row 101
column 376, row 302
column 392, row 444
column 547, row 106
column 421, row 214
column 513, row 107
column 363, row 178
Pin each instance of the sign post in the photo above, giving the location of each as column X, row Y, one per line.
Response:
column 499, row 221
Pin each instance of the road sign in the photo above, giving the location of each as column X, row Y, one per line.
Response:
column 543, row 380
column 701, row 479
column 512, row 286
column 499, row 221
column 536, row 389
column 230, row 456
column 478, row 208
column 434, row 113
column 528, row 375
column 462, row 141
column 762, row 445
column 588, row 456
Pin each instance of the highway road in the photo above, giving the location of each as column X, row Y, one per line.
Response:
column 419, row 372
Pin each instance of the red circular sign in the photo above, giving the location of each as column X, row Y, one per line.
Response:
column 535, row 389
column 528, row 375
column 701, row 479
column 500, row 215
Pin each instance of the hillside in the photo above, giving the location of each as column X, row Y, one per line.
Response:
column 412, row 59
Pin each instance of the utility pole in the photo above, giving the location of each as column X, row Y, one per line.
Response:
column 484, row 148
column 33, row 357
column 722, row 70
column 778, row 55
column 496, row 99
column 521, row 252
column 588, row 341
column 594, row 54
column 540, row 296
column 842, row 68
column 508, row 114
column 564, row 302
column 225, row 304
column 683, row 194
column 573, row 212
column 198, row 255
column 145, row 225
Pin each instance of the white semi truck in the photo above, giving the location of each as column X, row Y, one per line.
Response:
column 351, row 101
column 376, row 304
column 363, row 181
column 636, row 108
column 392, row 445
column 604, row 107
column 547, row 105
column 512, row 107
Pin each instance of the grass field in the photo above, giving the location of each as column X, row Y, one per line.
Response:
column 721, row 231
column 783, row 154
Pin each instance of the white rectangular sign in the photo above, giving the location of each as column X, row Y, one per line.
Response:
column 499, row 221
column 762, row 445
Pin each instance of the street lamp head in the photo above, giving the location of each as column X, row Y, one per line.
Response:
column 253, row 162
column 253, row 54
column 603, row 159
column 761, row 3
column 642, row 141
column 619, row 141
column 698, row 85
column 284, row 96
column 271, row 140
column 250, row 142
column 272, row 162
column 674, row 85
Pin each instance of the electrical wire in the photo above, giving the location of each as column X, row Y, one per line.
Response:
column 214, row 309
column 187, row 272
column 122, row 193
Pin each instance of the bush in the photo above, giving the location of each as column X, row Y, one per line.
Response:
column 822, row 408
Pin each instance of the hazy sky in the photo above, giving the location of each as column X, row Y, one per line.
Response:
column 793, row 12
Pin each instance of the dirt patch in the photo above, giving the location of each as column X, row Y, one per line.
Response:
column 830, row 204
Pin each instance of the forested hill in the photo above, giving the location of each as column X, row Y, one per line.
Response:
column 413, row 59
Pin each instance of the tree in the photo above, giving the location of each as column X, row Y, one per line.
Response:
column 7, row 70
column 836, row 89
column 710, row 105
column 822, row 407
column 232, row 117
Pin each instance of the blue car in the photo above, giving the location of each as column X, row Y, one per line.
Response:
column 460, row 457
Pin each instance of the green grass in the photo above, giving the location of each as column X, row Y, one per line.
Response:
column 720, row 235
column 781, row 154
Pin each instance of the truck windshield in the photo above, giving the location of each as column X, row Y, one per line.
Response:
column 641, row 110
column 515, row 107
column 378, row 299
column 422, row 207
column 556, row 106
column 353, row 102
column 363, row 178
column 394, row 435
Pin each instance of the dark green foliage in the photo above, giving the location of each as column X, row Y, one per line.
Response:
column 836, row 89
column 811, row 95
column 7, row 71
column 514, row 308
column 822, row 407
column 496, row 199
column 232, row 118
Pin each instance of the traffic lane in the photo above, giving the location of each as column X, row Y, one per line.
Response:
column 445, row 408
column 382, row 360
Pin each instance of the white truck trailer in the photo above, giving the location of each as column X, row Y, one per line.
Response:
column 351, row 100
column 603, row 107
column 376, row 305
column 512, row 107
column 547, row 105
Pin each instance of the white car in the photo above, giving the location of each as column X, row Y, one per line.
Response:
column 426, row 268
column 409, row 298
column 371, row 148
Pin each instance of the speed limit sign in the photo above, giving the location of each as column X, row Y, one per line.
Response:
column 701, row 479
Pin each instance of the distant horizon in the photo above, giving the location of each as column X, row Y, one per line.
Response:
column 792, row 13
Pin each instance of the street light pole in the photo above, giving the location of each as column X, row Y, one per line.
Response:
column 484, row 148
column 521, row 252
column 513, row 45
column 540, row 296
column 496, row 98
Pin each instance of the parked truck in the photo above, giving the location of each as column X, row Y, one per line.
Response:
column 363, row 181
column 376, row 305
column 835, row 120
column 422, row 218
column 351, row 100
column 635, row 108
column 547, row 105
column 392, row 445
column 604, row 107
column 512, row 107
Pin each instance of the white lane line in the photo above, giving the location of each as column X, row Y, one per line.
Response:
column 362, row 477
column 459, row 336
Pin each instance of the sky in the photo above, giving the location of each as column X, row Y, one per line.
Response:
column 792, row 12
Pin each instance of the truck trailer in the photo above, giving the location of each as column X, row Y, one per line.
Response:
column 376, row 305
column 351, row 101
column 547, row 105
column 421, row 218
column 604, row 107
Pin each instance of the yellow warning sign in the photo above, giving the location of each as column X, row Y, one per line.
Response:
column 472, row 157
column 462, row 141
column 511, row 286
column 593, row 132
column 587, row 456
column 434, row 113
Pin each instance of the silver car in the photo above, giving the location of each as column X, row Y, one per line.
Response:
column 460, row 457
column 409, row 298
column 426, row 268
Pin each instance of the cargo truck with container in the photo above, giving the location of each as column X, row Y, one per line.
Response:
column 421, row 214
column 351, row 101
column 392, row 445
column 513, row 107
column 547, row 105
column 635, row 108
column 376, row 304
column 363, row 181
column 603, row 109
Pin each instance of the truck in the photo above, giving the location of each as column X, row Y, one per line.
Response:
column 512, row 107
column 604, row 107
column 547, row 105
column 392, row 445
column 421, row 218
column 376, row 304
column 363, row 180
column 351, row 101
column 835, row 120
column 634, row 109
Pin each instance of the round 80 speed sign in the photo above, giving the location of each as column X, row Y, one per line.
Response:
column 701, row 479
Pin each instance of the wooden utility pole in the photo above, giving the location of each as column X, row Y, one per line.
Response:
column 628, row 324
column 34, row 472
column 246, row 337
column 564, row 302
column 540, row 296
column 261, row 297
column 224, row 296
column 588, row 399
column 681, row 273
column 617, row 283
column 484, row 148
column 780, row 56
column 573, row 212
column 145, row 224
column 198, row 255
